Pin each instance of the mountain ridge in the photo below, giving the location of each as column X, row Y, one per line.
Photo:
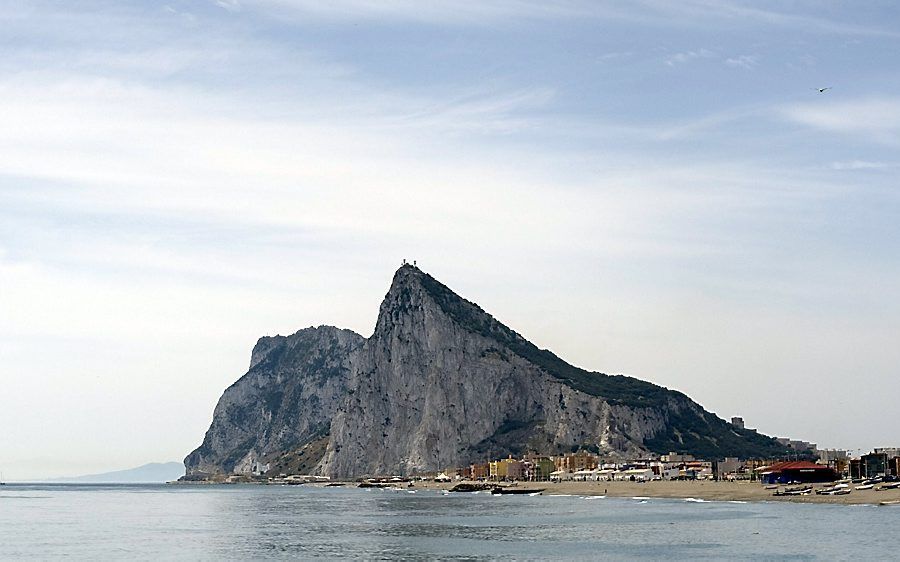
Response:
column 617, row 389
column 441, row 382
column 154, row 472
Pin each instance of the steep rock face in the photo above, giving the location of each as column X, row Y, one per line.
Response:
column 285, row 401
column 441, row 383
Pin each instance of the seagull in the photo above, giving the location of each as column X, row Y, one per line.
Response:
column 822, row 90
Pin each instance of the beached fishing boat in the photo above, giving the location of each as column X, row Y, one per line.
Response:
column 510, row 490
column 801, row 491
column 865, row 486
column 469, row 487
column 834, row 491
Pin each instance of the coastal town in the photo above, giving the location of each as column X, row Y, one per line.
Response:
column 817, row 476
column 813, row 466
column 812, row 474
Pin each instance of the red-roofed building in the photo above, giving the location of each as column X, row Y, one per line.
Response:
column 796, row 471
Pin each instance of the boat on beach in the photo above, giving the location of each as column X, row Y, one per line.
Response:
column 470, row 487
column 517, row 491
column 833, row 491
column 800, row 491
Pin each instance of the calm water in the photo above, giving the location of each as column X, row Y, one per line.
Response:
column 242, row 522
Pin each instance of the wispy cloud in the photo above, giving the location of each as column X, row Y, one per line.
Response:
column 736, row 11
column 500, row 112
column 877, row 118
column 704, row 124
column 688, row 56
column 689, row 13
column 616, row 55
column 230, row 5
column 859, row 165
column 439, row 11
column 743, row 61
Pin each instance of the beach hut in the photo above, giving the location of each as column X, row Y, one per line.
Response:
column 605, row 474
column 638, row 474
column 583, row 475
column 560, row 476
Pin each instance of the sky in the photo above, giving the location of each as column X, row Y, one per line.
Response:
column 650, row 188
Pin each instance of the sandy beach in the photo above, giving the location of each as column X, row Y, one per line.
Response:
column 700, row 489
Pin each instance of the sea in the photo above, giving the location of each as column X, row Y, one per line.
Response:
column 245, row 522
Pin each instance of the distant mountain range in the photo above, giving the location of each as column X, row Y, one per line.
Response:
column 154, row 472
column 440, row 383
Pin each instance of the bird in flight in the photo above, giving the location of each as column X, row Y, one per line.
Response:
column 822, row 90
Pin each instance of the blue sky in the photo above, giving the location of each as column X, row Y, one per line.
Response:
column 651, row 188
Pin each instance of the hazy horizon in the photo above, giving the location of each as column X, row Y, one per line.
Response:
column 655, row 189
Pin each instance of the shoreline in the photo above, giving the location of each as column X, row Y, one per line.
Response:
column 698, row 489
column 705, row 490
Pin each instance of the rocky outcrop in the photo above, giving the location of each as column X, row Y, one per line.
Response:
column 285, row 401
column 441, row 383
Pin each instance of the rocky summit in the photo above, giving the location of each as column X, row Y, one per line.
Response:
column 440, row 383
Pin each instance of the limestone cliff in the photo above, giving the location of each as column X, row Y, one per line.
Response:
column 441, row 383
column 285, row 402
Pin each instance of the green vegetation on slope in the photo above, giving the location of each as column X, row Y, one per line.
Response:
column 617, row 389
column 705, row 435
column 697, row 432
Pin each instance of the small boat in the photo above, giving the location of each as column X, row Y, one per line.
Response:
column 890, row 502
column 518, row 491
column 374, row 485
column 801, row 491
column 889, row 486
column 469, row 487
column 835, row 491
column 865, row 486
column 834, row 488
